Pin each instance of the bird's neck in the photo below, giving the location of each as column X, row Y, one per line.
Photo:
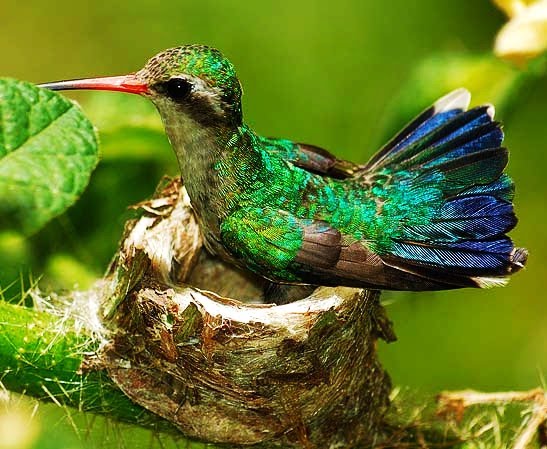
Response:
column 216, row 163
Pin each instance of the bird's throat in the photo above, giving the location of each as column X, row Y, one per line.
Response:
column 208, row 159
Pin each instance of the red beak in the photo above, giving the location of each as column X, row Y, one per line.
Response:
column 124, row 83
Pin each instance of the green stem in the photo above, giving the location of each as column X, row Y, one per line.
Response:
column 41, row 355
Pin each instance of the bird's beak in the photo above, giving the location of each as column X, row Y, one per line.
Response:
column 124, row 83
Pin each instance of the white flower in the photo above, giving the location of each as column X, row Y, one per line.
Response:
column 525, row 35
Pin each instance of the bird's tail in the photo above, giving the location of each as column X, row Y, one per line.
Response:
column 464, row 241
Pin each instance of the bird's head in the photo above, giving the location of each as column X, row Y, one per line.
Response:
column 193, row 80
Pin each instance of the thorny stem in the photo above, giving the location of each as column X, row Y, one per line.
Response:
column 41, row 355
column 455, row 402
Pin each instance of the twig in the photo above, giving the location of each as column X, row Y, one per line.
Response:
column 455, row 402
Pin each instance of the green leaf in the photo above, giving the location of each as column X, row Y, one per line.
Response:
column 48, row 150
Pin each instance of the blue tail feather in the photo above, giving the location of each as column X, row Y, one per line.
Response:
column 502, row 189
column 474, row 217
column 423, row 135
column 479, row 168
column 474, row 258
column 463, row 134
column 460, row 153
column 464, row 131
column 485, row 136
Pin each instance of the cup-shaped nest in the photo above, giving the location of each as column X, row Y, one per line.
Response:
column 302, row 374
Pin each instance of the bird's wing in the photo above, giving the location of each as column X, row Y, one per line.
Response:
column 270, row 241
column 311, row 158
column 318, row 160
column 286, row 249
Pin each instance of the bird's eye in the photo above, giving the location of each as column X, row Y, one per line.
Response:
column 178, row 88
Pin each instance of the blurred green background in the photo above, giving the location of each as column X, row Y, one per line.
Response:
column 336, row 74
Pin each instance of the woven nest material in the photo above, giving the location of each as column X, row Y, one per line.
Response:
column 225, row 370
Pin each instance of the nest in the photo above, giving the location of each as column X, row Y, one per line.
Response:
column 191, row 342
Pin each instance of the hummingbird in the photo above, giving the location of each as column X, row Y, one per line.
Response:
column 429, row 211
